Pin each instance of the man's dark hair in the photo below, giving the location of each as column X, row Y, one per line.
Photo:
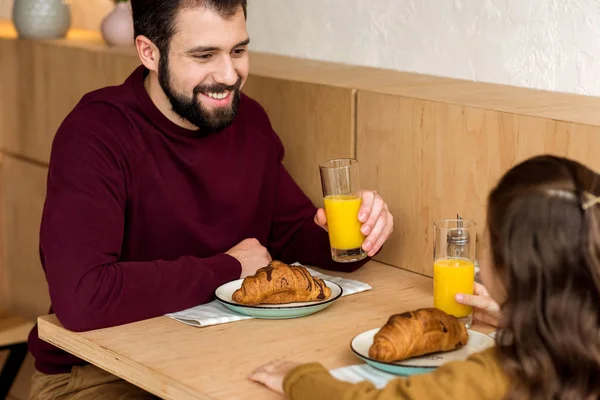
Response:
column 155, row 19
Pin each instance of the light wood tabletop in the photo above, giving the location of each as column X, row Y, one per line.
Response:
column 177, row 361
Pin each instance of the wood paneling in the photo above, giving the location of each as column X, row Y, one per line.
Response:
column 4, row 287
column 315, row 123
column 42, row 82
column 433, row 160
column 24, row 189
column 518, row 100
column 13, row 329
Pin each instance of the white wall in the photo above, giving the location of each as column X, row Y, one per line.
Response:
column 547, row 44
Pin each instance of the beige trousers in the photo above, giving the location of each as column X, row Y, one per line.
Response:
column 83, row 383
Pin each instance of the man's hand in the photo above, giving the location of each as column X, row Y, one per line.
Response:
column 251, row 254
column 378, row 222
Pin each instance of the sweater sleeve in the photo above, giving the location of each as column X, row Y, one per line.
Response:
column 82, row 232
column 479, row 377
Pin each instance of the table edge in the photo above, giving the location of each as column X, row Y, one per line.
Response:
column 160, row 385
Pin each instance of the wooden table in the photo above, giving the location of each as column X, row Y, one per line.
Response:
column 177, row 361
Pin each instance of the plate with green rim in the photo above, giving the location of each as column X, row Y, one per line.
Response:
column 224, row 295
column 361, row 343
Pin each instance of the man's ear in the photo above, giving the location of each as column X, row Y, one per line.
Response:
column 147, row 52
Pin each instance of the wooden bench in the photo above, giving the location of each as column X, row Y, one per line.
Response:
column 13, row 337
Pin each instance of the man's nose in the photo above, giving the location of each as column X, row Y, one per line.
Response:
column 226, row 73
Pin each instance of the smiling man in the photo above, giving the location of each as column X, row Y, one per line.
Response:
column 165, row 187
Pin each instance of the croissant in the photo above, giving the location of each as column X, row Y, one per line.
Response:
column 279, row 283
column 416, row 333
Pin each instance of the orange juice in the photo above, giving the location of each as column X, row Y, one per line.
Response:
column 342, row 221
column 450, row 277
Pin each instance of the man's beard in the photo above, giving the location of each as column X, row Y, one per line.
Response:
column 207, row 121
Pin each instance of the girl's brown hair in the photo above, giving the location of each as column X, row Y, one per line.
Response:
column 544, row 228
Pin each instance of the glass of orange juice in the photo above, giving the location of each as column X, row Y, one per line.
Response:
column 340, row 180
column 454, row 266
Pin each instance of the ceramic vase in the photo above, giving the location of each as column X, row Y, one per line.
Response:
column 42, row 19
column 117, row 26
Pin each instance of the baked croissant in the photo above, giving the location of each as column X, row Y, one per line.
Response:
column 416, row 333
column 279, row 283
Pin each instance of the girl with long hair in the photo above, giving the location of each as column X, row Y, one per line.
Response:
column 543, row 226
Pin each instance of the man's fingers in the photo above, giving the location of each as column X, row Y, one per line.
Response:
column 368, row 198
column 321, row 218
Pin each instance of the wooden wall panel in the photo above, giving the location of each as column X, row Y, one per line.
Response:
column 42, row 82
column 16, row 79
column 496, row 97
column 433, row 160
column 315, row 123
column 24, row 190
column 4, row 288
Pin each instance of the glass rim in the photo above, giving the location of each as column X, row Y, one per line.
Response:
column 328, row 164
column 467, row 223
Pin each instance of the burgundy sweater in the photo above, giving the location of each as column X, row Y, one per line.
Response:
column 140, row 211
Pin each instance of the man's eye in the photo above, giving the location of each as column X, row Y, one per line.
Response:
column 204, row 57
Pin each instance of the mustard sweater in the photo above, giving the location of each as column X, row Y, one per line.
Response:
column 479, row 378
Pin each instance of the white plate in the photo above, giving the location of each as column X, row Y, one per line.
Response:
column 275, row 311
column 362, row 342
